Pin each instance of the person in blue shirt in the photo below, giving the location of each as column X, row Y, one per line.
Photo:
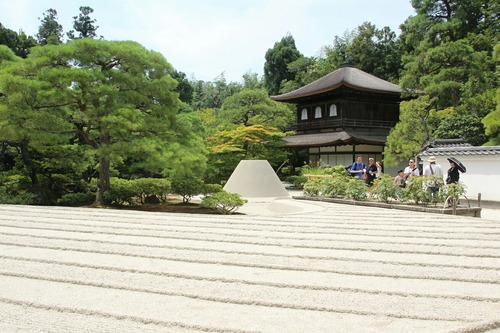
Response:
column 358, row 168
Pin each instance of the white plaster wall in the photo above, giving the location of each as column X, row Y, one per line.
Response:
column 482, row 176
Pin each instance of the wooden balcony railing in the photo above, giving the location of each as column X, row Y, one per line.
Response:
column 342, row 123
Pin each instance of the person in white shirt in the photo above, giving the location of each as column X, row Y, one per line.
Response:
column 410, row 170
column 435, row 173
column 379, row 169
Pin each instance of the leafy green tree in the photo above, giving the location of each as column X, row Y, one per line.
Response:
column 448, row 69
column 447, row 57
column 114, row 97
column 492, row 124
column 252, row 81
column 83, row 24
column 276, row 70
column 372, row 50
column 211, row 95
column 375, row 51
column 407, row 138
column 20, row 43
column 253, row 106
column 49, row 31
column 8, row 37
column 305, row 70
column 24, row 44
column 235, row 143
column 492, row 120
column 184, row 87
column 448, row 47
column 337, row 53
column 249, row 126
column 467, row 127
column 189, row 152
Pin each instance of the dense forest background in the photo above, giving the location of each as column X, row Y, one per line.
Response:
column 79, row 113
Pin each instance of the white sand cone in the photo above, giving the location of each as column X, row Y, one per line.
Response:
column 256, row 179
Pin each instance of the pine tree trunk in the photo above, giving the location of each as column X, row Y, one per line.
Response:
column 104, row 165
column 103, row 184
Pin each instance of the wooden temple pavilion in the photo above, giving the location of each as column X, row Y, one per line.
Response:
column 342, row 115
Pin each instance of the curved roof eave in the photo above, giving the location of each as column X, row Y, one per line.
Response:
column 333, row 139
column 283, row 98
column 347, row 76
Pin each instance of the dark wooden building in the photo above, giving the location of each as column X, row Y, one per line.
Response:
column 344, row 114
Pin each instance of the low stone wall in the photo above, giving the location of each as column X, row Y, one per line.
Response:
column 464, row 211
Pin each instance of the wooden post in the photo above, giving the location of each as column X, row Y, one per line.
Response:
column 479, row 199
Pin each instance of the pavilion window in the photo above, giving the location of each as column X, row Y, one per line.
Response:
column 303, row 115
column 333, row 111
column 317, row 112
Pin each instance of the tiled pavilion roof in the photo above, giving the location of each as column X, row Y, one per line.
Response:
column 346, row 75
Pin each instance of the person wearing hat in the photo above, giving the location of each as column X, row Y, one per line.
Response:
column 434, row 172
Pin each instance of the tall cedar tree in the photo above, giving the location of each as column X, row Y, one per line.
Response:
column 278, row 58
column 49, row 31
column 83, row 24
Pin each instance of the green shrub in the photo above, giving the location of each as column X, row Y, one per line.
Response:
column 208, row 189
column 187, row 187
column 224, row 202
column 335, row 186
column 76, row 199
column 339, row 170
column 356, row 189
column 151, row 187
column 16, row 197
column 384, row 188
column 314, row 170
column 416, row 191
column 15, row 189
column 121, row 191
column 454, row 191
column 313, row 187
column 297, row 181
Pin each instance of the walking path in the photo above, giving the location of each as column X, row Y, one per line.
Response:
column 284, row 266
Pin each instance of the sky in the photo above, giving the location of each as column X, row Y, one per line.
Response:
column 205, row 38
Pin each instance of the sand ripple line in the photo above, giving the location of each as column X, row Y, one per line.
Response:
column 238, row 301
column 236, row 239
column 275, row 267
column 253, row 283
column 368, row 228
column 418, row 235
column 254, row 253
column 142, row 320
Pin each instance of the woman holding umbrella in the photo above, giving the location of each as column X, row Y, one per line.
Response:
column 453, row 174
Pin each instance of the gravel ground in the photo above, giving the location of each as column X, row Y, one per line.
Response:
column 284, row 266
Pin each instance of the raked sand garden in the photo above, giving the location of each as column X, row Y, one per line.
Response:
column 281, row 266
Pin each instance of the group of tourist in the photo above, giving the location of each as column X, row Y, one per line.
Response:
column 432, row 169
column 373, row 170
column 369, row 172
